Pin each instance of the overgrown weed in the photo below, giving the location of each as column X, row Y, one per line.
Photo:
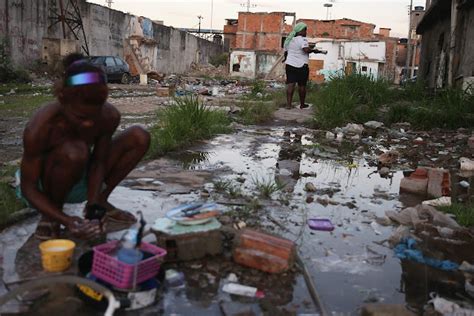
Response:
column 184, row 123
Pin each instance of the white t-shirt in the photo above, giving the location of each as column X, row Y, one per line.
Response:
column 296, row 56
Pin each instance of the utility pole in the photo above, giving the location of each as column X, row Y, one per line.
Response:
column 327, row 6
column 248, row 5
column 199, row 29
column 407, row 65
column 212, row 11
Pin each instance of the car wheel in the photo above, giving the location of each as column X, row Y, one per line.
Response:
column 125, row 78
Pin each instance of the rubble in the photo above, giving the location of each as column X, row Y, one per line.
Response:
column 373, row 125
column 263, row 252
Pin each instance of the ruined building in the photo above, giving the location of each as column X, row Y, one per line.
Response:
column 256, row 41
column 447, row 31
column 46, row 30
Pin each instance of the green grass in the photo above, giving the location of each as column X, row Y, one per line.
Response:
column 450, row 108
column 357, row 98
column 23, row 88
column 22, row 105
column 464, row 213
column 184, row 123
column 9, row 203
column 266, row 187
column 256, row 112
column 221, row 185
column 345, row 99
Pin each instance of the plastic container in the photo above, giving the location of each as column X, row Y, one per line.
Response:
column 321, row 224
column 120, row 274
column 56, row 254
column 174, row 278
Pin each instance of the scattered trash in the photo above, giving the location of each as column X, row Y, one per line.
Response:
column 469, row 287
column 174, row 278
column 351, row 264
column 442, row 201
column 242, row 290
column 464, row 184
column 310, row 187
column 240, row 225
column 330, row 135
column 467, row 267
column 376, row 228
column 418, row 141
column 388, row 159
column 374, row 125
column 446, row 307
column 466, row 164
column 407, row 250
column 384, row 172
column 400, row 234
column 412, row 216
column 232, row 278
column 321, row 224
column 351, row 128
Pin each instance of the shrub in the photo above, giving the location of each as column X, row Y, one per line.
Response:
column 187, row 121
column 258, row 86
column 8, row 73
column 464, row 213
column 349, row 98
column 219, row 60
column 256, row 112
column 449, row 108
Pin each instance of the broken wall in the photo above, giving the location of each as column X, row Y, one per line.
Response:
column 261, row 31
column 366, row 57
column 339, row 29
column 24, row 24
column 435, row 30
column 108, row 32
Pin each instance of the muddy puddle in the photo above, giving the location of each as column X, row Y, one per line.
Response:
column 348, row 266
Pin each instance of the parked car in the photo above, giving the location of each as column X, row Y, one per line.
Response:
column 115, row 68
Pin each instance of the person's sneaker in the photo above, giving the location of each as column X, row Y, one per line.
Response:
column 305, row 106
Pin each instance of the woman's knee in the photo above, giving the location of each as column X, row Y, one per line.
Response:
column 139, row 136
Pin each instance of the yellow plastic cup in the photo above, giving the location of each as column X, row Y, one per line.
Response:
column 56, row 254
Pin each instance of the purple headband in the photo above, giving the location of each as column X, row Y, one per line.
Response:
column 84, row 79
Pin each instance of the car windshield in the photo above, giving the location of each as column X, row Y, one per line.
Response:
column 95, row 60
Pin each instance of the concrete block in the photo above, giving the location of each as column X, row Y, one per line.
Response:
column 385, row 310
column 439, row 182
column 190, row 246
column 416, row 183
column 264, row 252
column 163, row 91
column 260, row 260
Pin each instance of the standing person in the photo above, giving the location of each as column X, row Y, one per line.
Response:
column 297, row 52
column 70, row 155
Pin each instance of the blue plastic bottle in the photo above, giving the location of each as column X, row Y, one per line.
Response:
column 128, row 253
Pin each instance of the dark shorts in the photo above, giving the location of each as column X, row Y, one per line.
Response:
column 297, row 75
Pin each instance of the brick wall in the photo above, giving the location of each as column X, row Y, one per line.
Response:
column 339, row 29
column 261, row 31
column 230, row 36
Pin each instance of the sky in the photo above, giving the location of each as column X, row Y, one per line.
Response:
column 184, row 13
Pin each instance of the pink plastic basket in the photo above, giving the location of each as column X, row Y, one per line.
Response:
column 120, row 274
